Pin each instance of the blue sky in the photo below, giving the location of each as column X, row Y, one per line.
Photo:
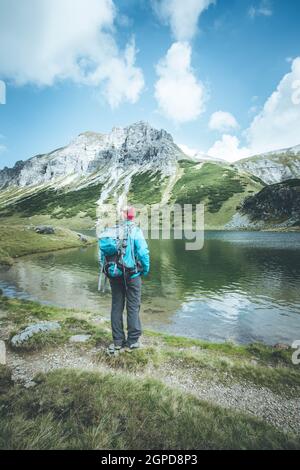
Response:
column 221, row 76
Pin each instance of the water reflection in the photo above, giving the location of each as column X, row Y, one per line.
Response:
column 241, row 286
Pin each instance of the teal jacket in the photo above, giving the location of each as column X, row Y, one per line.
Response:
column 140, row 249
column 136, row 250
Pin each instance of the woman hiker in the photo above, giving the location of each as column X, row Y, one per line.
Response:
column 125, row 258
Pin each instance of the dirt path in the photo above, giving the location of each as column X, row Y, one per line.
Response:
column 281, row 412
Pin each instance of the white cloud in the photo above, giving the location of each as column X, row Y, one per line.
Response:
column 222, row 121
column 181, row 15
column 278, row 124
column 191, row 152
column 180, row 96
column 228, row 148
column 275, row 127
column 264, row 8
column 122, row 80
column 50, row 40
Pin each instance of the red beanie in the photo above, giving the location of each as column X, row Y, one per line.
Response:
column 129, row 213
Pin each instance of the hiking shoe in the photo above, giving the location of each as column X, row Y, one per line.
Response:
column 133, row 346
column 114, row 349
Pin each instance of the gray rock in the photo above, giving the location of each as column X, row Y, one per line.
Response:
column 45, row 229
column 82, row 238
column 2, row 353
column 79, row 338
column 27, row 333
column 281, row 346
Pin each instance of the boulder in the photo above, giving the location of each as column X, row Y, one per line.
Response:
column 27, row 333
column 45, row 229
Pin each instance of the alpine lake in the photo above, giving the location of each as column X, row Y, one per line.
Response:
column 241, row 286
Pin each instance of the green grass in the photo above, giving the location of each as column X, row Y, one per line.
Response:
column 259, row 351
column 221, row 188
column 134, row 361
column 258, row 364
column 23, row 313
column 125, row 409
column 83, row 410
column 227, row 370
column 40, row 341
column 213, row 183
column 146, row 188
column 20, row 240
column 57, row 203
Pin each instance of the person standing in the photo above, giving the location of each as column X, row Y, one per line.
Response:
column 124, row 271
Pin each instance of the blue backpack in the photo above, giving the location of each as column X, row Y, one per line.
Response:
column 117, row 252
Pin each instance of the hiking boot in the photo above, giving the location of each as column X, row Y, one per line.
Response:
column 114, row 349
column 133, row 346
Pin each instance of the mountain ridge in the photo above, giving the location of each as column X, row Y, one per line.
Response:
column 137, row 164
column 137, row 144
column 273, row 167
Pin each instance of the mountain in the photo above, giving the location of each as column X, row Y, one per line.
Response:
column 275, row 206
column 273, row 167
column 136, row 146
column 137, row 163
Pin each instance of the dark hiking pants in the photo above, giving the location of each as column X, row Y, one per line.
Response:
column 132, row 296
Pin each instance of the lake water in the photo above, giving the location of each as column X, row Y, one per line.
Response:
column 241, row 286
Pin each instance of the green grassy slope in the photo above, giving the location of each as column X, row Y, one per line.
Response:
column 147, row 188
column 221, row 188
column 20, row 240
column 57, row 204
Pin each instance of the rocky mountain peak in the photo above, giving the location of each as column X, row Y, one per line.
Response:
column 137, row 145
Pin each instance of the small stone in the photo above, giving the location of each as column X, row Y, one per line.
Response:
column 281, row 346
column 79, row 338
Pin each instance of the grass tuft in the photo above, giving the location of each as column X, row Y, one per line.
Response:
column 134, row 361
column 83, row 410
